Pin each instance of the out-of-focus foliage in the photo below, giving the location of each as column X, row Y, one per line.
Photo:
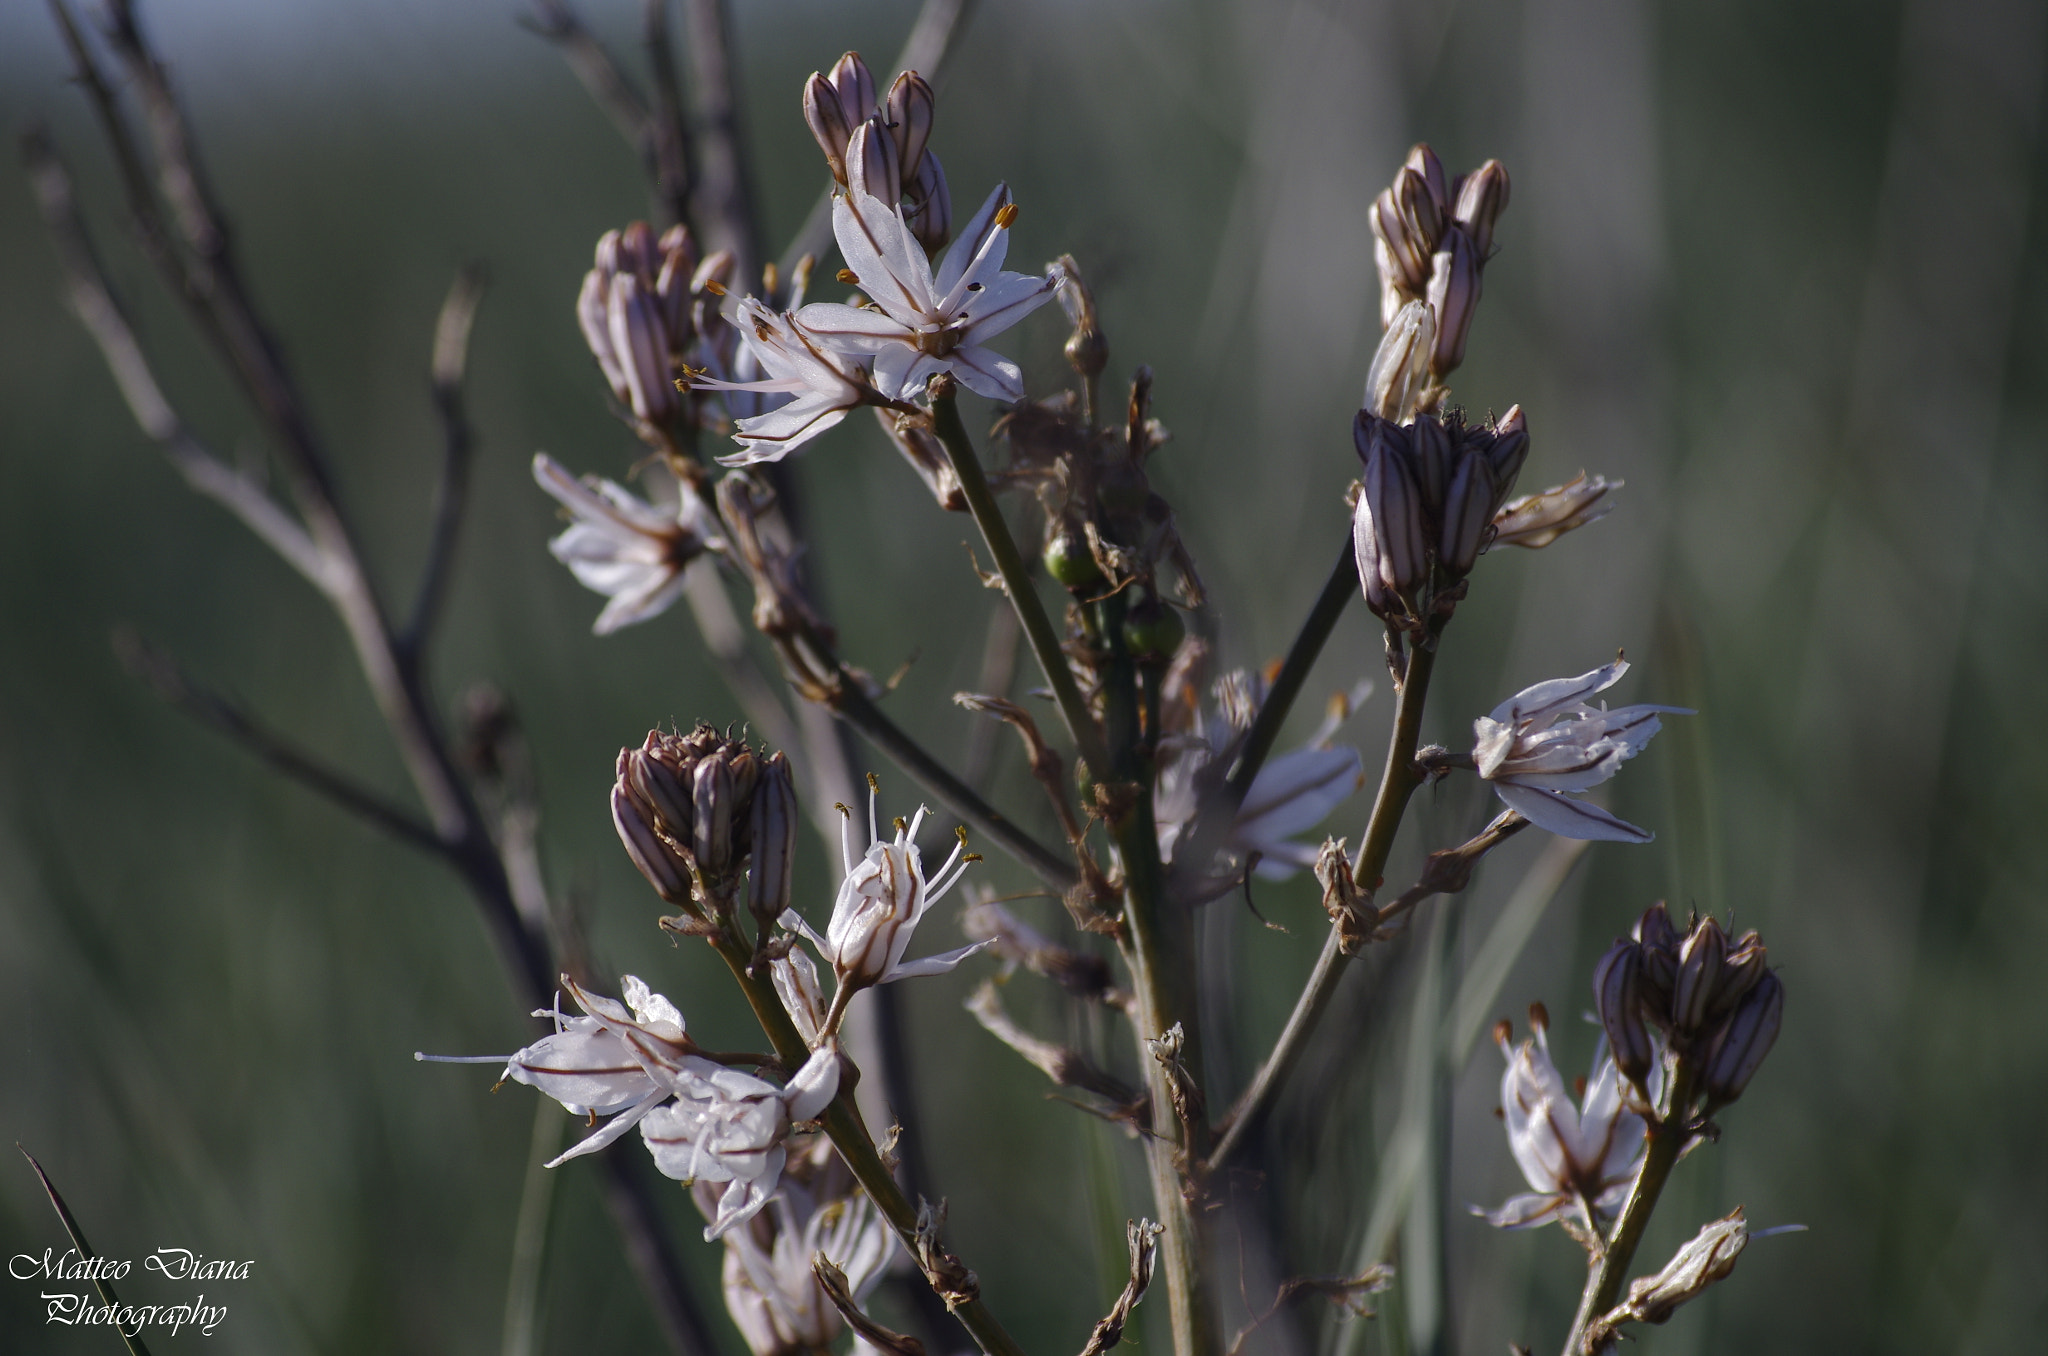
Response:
column 1779, row 265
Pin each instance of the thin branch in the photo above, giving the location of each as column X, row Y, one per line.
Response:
column 592, row 64
column 924, row 51
column 1061, row 1063
column 669, row 150
column 1397, row 782
column 168, row 679
column 450, row 363
column 92, row 301
column 1449, row 871
column 722, row 195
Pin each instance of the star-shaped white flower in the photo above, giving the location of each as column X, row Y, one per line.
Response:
column 620, row 545
column 1581, row 1157
column 770, row 1288
column 824, row 381
column 1545, row 741
column 923, row 323
column 883, row 897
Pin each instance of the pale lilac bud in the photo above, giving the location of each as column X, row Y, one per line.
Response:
column 640, row 345
column 871, row 162
column 1453, row 297
column 1388, row 532
column 1745, row 1038
column 1700, row 964
column 714, row 275
column 633, row 252
column 1424, row 165
column 908, row 112
column 593, row 316
column 1482, row 197
column 1408, row 242
column 712, row 814
column 930, row 210
column 1617, row 997
column 672, row 284
column 837, row 103
column 1400, row 367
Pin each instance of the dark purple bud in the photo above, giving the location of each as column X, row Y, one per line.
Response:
column 712, row 814
column 773, row 829
column 1701, row 961
column 1482, row 197
column 1468, row 514
column 664, row 871
column 1744, row 1039
column 1617, row 996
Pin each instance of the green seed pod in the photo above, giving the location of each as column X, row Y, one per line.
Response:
column 1152, row 630
column 1068, row 561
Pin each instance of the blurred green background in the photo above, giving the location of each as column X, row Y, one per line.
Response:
column 1779, row 265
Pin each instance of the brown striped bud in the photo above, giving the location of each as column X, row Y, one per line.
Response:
column 1744, row 1039
column 1467, row 514
column 665, row 869
column 871, row 162
column 928, row 209
column 640, row 347
column 772, row 834
column 908, row 113
column 1617, row 997
column 1482, row 196
column 835, row 103
column 711, row 805
column 1701, row 961
column 1453, row 298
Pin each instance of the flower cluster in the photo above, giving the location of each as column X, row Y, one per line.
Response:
column 1705, row 997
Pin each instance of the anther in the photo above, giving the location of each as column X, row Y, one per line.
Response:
column 1006, row 214
column 848, row 276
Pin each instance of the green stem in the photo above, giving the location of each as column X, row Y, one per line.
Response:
column 850, row 1137
column 1397, row 782
column 1605, row 1273
column 1038, row 627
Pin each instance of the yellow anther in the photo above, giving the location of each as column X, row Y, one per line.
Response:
column 874, row 782
column 902, row 824
column 848, row 276
column 1006, row 214
column 960, row 831
column 714, row 287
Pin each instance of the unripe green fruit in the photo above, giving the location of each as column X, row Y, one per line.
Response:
column 1068, row 561
column 1153, row 630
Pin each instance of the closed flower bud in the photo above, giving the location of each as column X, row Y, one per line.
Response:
column 908, row 112
column 929, row 213
column 1453, row 297
column 1660, row 941
column 656, row 782
column 773, row 832
column 872, row 164
column 593, row 316
column 1509, row 448
column 1422, row 162
column 1617, row 997
column 1404, row 267
column 1434, row 451
column 1388, row 529
column 1400, row 366
column 1744, row 1040
column 835, row 104
column 712, row 807
column 640, row 345
column 665, row 871
column 672, row 284
column 1467, row 514
column 1746, row 966
column 1482, row 197
column 1700, row 963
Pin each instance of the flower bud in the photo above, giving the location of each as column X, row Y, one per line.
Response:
column 678, row 252
column 908, row 113
column 1467, row 514
column 835, row 104
column 1453, row 297
column 656, row 782
column 1744, row 1039
column 1509, row 447
column 593, row 316
column 1388, row 532
column 1404, row 264
column 1700, row 963
column 664, row 869
column 930, row 212
column 1482, row 197
column 1746, row 966
column 1435, row 450
column 1422, row 162
column 1617, row 997
column 640, row 345
column 712, row 814
column 631, row 251
column 871, row 162
column 773, row 833
column 1400, row 366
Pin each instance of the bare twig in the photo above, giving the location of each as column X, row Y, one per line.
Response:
column 1062, row 1064
column 1142, row 1237
column 168, row 679
column 1449, row 871
column 449, row 364
column 1346, row 1292
column 833, row 1282
column 592, row 64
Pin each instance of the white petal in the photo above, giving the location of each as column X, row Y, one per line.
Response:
column 1532, row 703
column 987, row 373
column 933, row 965
column 640, row 605
column 1524, row 1212
column 814, row 1086
column 1002, row 303
column 1297, row 790
column 612, row 1129
column 968, row 243
column 1568, row 818
column 852, row 329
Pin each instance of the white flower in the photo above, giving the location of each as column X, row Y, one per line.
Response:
column 1581, row 1158
column 1545, row 741
column 880, row 903
column 1293, row 791
column 620, row 545
column 825, row 384
column 922, row 324
column 729, row 1127
column 770, row 1288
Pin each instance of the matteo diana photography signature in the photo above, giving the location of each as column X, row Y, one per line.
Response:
column 95, row 1307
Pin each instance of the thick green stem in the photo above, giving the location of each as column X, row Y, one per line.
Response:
column 1038, row 627
column 1605, row 1273
column 1397, row 782
column 850, row 1137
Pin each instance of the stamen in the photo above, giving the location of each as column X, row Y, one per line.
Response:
column 461, row 1059
column 848, row 276
column 714, row 287
column 1006, row 214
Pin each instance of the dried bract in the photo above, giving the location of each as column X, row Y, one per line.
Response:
column 1536, row 520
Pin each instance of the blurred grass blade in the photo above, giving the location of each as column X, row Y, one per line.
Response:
column 530, row 1234
column 106, row 1292
column 1425, row 1108
column 1407, row 1150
